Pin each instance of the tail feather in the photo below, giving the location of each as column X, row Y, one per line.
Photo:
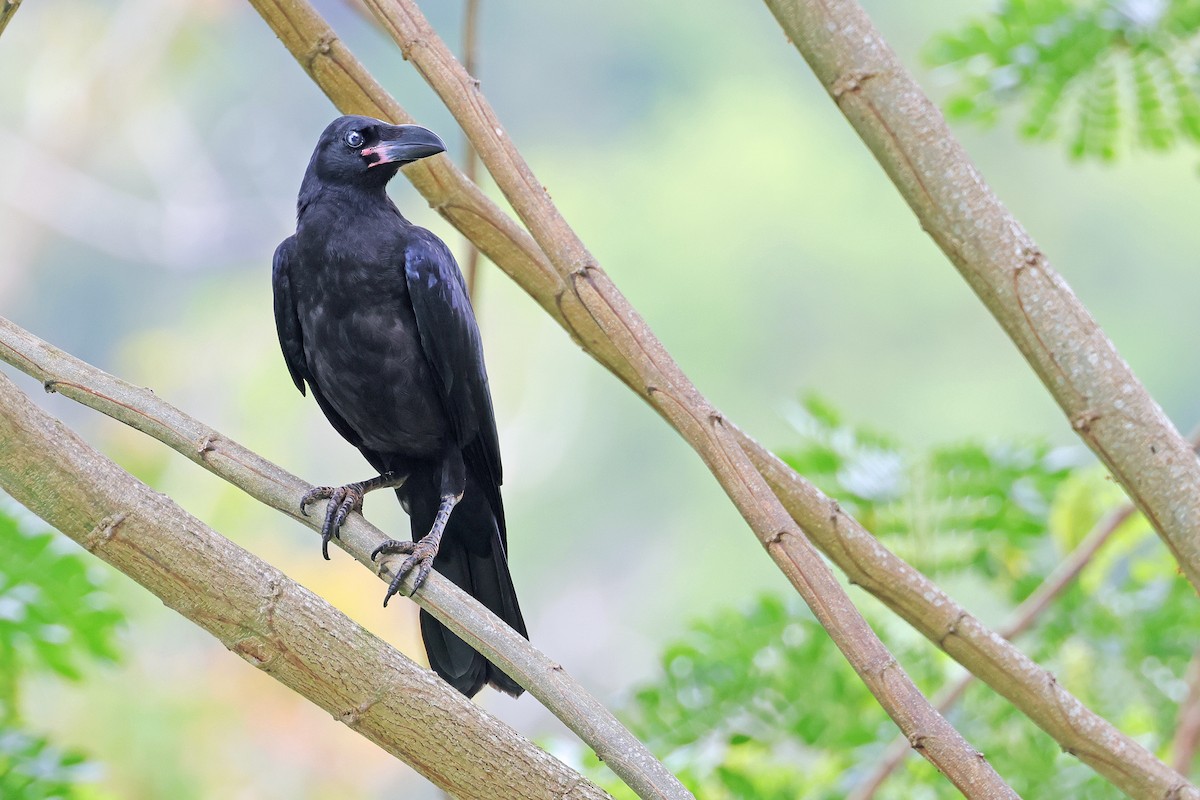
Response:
column 473, row 556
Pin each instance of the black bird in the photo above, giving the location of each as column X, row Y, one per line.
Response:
column 373, row 314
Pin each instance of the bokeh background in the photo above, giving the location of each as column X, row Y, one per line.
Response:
column 150, row 152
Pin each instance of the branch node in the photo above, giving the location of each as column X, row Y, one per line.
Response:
column 207, row 444
column 1177, row 791
column 320, row 48
column 777, row 536
column 50, row 385
column 407, row 46
column 850, row 83
column 582, row 271
column 1082, row 421
column 352, row 716
column 1030, row 257
column 916, row 741
column 951, row 629
column 103, row 533
column 257, row 651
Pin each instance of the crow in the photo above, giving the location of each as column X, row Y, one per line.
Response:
column 373, row 316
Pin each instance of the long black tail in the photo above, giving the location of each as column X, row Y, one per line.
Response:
column 473, row 555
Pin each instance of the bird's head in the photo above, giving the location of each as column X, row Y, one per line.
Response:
column 361, row 151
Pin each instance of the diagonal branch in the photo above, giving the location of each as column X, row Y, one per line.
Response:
column 470, row 46
column 1187, row 730
column 7, row 9
column 666, row 387
column 864, row 560
column 268, row 483
column 269, row 620
column 1020, row 621
column 1102, row 398
column 987, row 654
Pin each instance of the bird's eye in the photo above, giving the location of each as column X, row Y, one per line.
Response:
column 354, row 139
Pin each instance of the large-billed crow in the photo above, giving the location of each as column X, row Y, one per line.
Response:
column 372, row 313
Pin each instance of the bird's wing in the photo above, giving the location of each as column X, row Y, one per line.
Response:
column 287, row 324
column 450, row 339
column 291, row 340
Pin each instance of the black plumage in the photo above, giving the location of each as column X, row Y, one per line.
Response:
column 374, row 317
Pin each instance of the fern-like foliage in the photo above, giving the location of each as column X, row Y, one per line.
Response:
column 1100, row 75
column 55, row 618
column 755, row 703
column 956, row 508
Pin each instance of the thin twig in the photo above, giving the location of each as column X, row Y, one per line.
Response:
column 865, row 561
column 990, row 657
column 1102, row 399
column 268, row 483
column 1187, row 731
column 266, row 618
column 1021, row 619
column 470, row 157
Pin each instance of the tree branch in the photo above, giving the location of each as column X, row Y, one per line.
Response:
column 470, row 157
column 7, row 9
column 1187, row 731
column 864, row 560
column 269, row 620
column 268, row 483
column 986, row 653
column 673, row 395
column 1101, row 397
column 1020, row 621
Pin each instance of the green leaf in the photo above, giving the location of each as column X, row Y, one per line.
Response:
column 53, row 613
column 1102, row 74
column 32, row 769
column 756, row 702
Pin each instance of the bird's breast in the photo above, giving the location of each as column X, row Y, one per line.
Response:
column 364, row 352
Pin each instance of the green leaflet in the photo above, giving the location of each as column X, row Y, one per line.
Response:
column 1102, row 76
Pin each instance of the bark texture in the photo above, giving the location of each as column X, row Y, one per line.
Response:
column 267, row 619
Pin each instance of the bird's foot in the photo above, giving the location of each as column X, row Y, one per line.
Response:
column 420, row 554
column 343, row 500
column 420, row 558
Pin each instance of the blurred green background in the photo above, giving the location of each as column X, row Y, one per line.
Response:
column 152, row 150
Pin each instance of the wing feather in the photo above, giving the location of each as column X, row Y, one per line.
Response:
column 287, row 323
column 291, row 341
column 450, row 340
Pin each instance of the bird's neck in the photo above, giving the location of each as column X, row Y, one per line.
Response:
column 349, row 200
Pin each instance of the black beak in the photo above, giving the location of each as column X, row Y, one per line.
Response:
column 403, row 144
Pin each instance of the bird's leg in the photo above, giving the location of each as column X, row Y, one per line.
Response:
column 420, row 554
column 343, row 500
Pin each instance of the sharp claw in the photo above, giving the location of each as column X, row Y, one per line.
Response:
column 316, row 493
column 418, row 559
column 422, row 573
column 330, row 524
column 393, row 589
column 343, row 511
column 392, row 546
